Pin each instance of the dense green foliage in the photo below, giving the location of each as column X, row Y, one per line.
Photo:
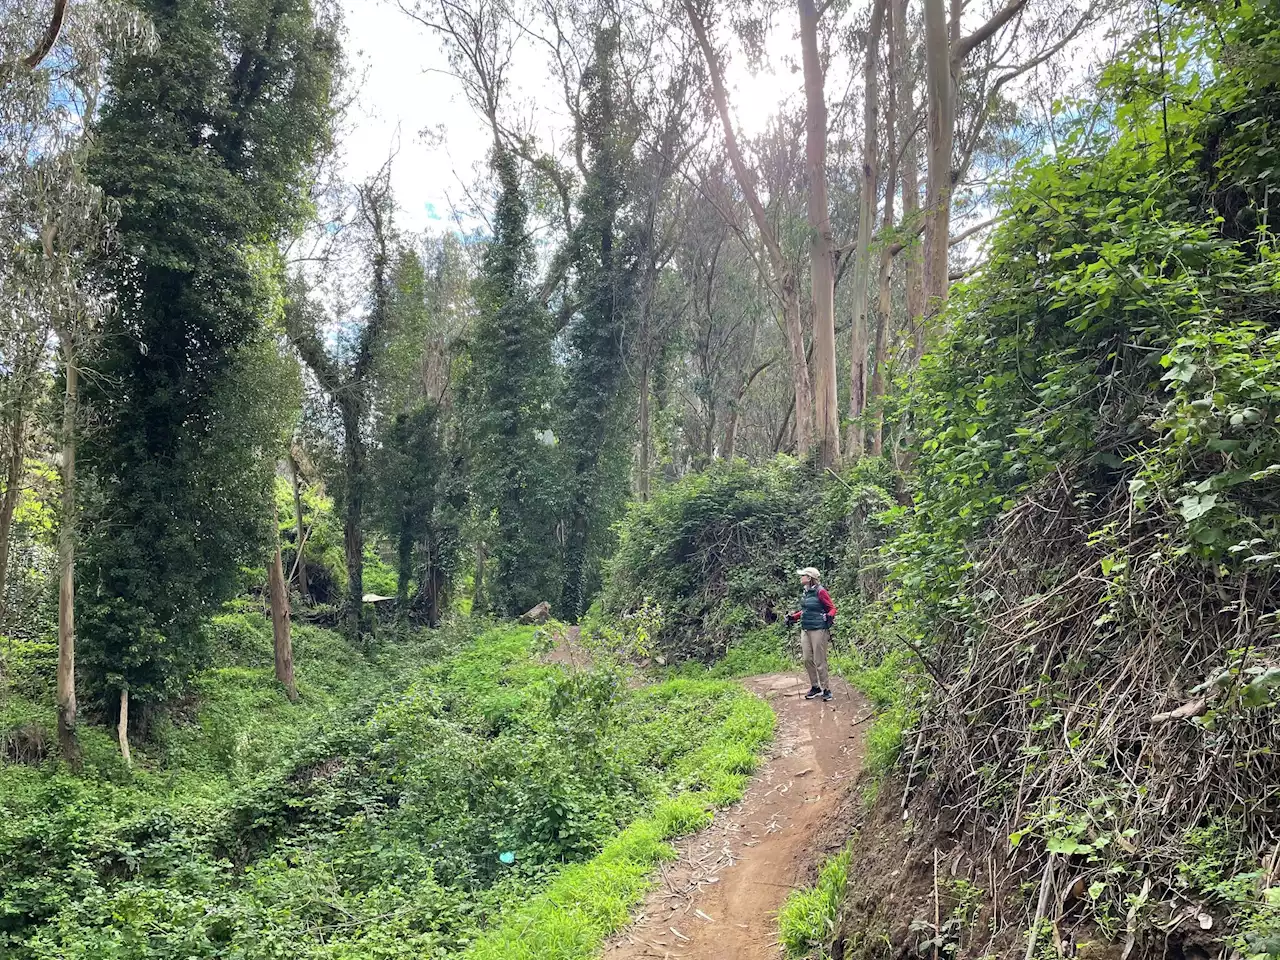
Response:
column 509, row 390
column 204, row 143
column 593, row 439
column 1096, row 536
column 396, row 810
column 718, row 551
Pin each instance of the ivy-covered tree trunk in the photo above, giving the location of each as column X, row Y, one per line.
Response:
column 596, row 375
column 205, row 142
column 353, row 516
column 509, row 409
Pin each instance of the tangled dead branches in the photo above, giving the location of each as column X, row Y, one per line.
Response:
column 1097, row 707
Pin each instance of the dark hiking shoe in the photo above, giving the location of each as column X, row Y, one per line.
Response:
column 814, row 693
column 826, row 695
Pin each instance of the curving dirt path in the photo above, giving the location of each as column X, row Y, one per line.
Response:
column 719, row 900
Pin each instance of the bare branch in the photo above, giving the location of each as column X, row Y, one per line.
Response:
column 966, row 45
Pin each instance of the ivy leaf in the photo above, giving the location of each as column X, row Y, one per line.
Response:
column 1193, row 507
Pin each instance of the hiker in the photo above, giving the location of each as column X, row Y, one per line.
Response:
column 816, row 616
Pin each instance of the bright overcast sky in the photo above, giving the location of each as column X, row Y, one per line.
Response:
column 401, row 97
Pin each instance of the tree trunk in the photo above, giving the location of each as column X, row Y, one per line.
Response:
column 642, row 480
column 730, row 448
column 784, row 278
column 915, row 279
column 884, row 299
column 404, row 571
column 301, row 562
column 12, row 488
column 803, row 411
column 122, row 727
column 281, row 628
column 353, row 525
column 67, row 561
column 866, row 226
column 821, row 244
column 941, row 107
column 477, row 593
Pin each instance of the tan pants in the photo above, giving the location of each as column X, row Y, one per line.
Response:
column 813, row 648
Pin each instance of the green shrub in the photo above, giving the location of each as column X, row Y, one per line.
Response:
column 717, row 551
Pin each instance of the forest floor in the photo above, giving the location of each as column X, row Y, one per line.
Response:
column 720, row 898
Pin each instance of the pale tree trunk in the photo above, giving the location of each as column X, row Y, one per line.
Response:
column 783, row 277
column 884, row 299
column 821, row 244
column 945, row 53
column 301, row 564
column 914, row 265
column 803, row 427
column 122, row 727
column 866, row 226
column 942, row 110
column 731, row 433
column 67, row 559
column 12, row 489
column 642, row 480
column 281, row 629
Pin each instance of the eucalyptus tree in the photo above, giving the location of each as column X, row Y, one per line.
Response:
column 782, row 274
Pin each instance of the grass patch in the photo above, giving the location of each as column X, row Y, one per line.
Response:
column 808, row 918
column 886, row 684
column 586, row 902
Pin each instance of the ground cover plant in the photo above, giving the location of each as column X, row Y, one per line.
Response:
column 406, row 804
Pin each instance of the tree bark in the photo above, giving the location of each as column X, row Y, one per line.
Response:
column 122, row 727
column 477, row 593
column 66, row 680
column 300, row 564
column 50, row 36
column 281, row 627
column 821, row 244
column 884, row 299
column 914, row 271
column 866, row 227
column 941, row 112
column 353, row 522
column 12, row 489
column 642, row 480
column 945, row 54
column 783, row 276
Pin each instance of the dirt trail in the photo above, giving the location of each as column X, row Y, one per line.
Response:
column 720, row 899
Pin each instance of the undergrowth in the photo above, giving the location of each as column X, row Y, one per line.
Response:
column 416, row 796
column 572, row 917
column 807, row 921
